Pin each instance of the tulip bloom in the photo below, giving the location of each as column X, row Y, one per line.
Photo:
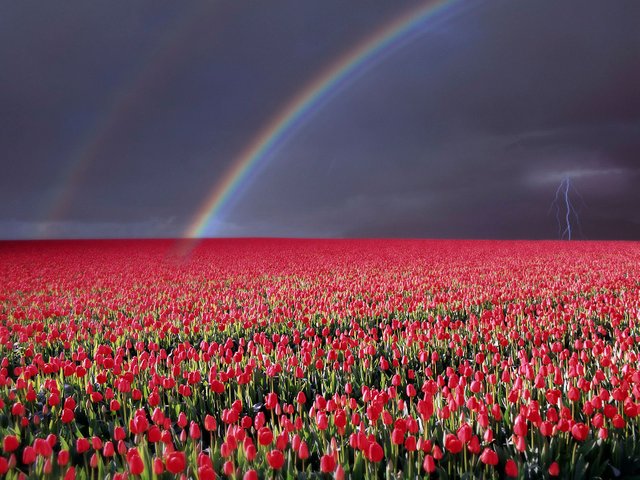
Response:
column 10, row 443
column 429, row 464
column 452, row 443
column 327, row 463
column 375, row 452
column 265, row 436
column 275, row 458
column 136, row 465
column 511, row 468
column 580, row 432
column 250, row 475
column 489, row 457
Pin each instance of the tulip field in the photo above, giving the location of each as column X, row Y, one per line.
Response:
column 301, row 359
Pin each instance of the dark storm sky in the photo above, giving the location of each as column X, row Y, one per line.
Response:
column 118, row 118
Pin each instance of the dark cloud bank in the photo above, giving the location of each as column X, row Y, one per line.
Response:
column 467, row 131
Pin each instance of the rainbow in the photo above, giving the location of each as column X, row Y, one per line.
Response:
column 122, row 101
column 273, row 133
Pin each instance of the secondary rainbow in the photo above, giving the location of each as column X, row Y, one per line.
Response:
column 304, row 102
column 119, row 108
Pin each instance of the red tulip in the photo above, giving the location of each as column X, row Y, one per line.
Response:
column 271, row 401
column 82, row 445
column 63, row 457
column 228, row 468
column 452, row 443
column 10, row 443
column 429, row 464
column 580, row 431
column 70, row 474
column 136, row 465
column 303, row 451
column 29, row 455
column 158, row 466
column 194, row 431
column 206, row 473
column 265, row 436
column 67, row 415
column 489, row 457
column 327, row 463
column 375, row 452
column 119, row 433
column 209, row 423
column 511, row 468
column 520, row 426
column 275, row 459
column 182, row 420
column 397, row 436
column 108, row 450
column 175, row 462
column 250, row 475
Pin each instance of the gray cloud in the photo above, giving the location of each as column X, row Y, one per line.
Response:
column 463, row 132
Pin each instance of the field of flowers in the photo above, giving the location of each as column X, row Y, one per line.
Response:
column 319, row 359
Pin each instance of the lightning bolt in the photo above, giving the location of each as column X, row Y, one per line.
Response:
column 566, row 212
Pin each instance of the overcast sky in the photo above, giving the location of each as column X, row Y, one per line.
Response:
column 118, row 118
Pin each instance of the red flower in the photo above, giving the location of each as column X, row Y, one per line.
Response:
column 82, row 445
column 206, row 473
column 452, row 443
column 63, row 457
column 275, row 459
column 322, row 421
column 489, row 457
column 228, row 468
column 70, row 474
column 340, row 419
column 303, row 451
column 119, row 433
column 520, row 426
column 29, row 455
column 397, row 436
column 136, row 465
column 327, row 463
column 158, row 466
column 265, row 436
column 176, row 462
column 410, row 443
column 10, row 443
column 271, row 400
column 580, row 432
column 182, row 420
column 375, row 452
column 554, row 469
column 511, row 468
column 67, row 415
column 194, row 430
column 210, row 423
column 429, row 464
column 411, row 390
column 217, row 386
column 108, row 450
column 465, row 432
column 250, row 475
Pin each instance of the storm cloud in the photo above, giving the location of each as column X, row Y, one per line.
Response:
column 118, row 119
